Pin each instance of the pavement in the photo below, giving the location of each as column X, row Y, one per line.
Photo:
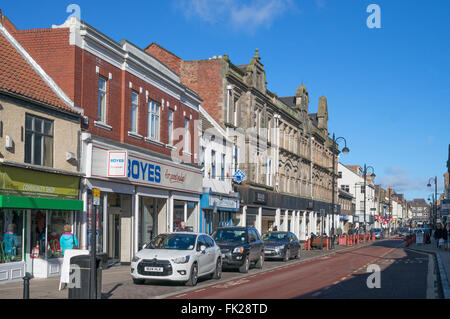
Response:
column 115, row 280
column 443, row 263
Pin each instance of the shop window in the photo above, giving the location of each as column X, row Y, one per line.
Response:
column 46, row 231
column 11, row 234
column 57, row 221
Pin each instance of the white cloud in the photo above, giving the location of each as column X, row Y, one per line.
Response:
column 243, row 16
column 402, row 180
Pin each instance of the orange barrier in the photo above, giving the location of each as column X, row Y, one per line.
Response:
column 373, row 237
column 308, row 244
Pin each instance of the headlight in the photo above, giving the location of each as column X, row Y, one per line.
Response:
column 238, row 250
column 181, row 260
column 135, row 259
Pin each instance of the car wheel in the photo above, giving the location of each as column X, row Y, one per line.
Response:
column 218, row 272
column 138, row 281
column 244, row 268
column 259, row 264
column 297, row 254
column 287, row 255
column 193, row 278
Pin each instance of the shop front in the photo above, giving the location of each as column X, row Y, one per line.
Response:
column 218, row 210
column 142, row 195
column 268, row 211
column 34, row 208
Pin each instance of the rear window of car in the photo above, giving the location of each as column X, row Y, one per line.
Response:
column 230, row 235
column 275, row 237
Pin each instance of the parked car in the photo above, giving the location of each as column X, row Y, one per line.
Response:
column 379, row 233
column 282, row 244
column 182, row 257
column 240, row 247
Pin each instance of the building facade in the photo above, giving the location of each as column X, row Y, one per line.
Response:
column 139, row 143
column 39, row 164
column 284, row 151
column 219, row 203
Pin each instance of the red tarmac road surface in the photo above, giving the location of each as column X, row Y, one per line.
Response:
column 297, row 279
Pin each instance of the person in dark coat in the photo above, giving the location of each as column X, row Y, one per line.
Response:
column 440, row 233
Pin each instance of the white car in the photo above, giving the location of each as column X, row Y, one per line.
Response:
column 182, row 257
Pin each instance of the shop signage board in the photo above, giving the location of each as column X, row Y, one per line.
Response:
column 117, row 163
column 146, row 171
column 29, row 183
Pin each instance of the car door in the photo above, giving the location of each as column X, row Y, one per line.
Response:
column 295, row 244
column 210, row 253
column 202, row 256
column 251, row 244
column 256, row 243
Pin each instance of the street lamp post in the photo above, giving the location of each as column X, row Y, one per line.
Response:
column 345, row 150
column 435, row 198
column 365, row 183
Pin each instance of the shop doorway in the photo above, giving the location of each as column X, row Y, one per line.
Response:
column 114, row 231
column 152, row 217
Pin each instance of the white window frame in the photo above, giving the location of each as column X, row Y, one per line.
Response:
column 154, row 118
column 187, row 137
column 170, row 127
column 101, row 109
column 134, row 112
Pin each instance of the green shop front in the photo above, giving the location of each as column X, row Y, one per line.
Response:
column 34, row 208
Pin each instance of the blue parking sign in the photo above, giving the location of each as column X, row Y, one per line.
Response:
column 239, row 176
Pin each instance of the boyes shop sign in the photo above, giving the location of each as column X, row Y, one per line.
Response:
column 145, row 171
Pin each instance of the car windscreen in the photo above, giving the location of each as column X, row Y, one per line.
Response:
column 275, row 237
column 230, row 235
column 173, row 241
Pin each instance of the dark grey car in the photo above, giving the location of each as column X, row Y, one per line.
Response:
column 240, row 247
column 281, row 245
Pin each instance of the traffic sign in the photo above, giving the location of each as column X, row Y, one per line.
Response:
column 96, row 200
column 239, row 176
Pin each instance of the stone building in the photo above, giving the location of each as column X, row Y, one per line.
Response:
column 284, row 151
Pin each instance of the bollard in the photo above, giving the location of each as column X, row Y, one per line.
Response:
column 26, row 286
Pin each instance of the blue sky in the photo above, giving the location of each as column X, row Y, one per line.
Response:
column 387, row 88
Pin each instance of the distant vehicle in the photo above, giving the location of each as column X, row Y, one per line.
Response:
column 182, row 257
column 379, row 233
column 240, row 246
column 282, row 244
column 402, row 231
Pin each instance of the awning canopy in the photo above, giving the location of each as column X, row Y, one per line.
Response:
column 39, row 203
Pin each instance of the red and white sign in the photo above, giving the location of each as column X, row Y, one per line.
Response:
column 117, row 163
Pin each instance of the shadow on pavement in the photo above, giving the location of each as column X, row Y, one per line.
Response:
column 110, row 293
column 399, row 280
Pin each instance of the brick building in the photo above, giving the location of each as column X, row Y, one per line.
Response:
column 138, row 142
column 284, row 151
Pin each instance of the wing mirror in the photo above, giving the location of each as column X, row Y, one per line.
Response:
column 203, row 248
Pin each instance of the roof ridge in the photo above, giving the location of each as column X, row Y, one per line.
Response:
column 49, row 82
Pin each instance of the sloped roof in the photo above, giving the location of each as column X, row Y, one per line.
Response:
column 18, row 76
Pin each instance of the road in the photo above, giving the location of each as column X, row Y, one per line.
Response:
column 317, row 274
column 403, row 274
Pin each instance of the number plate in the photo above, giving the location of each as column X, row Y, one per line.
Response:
column 154, row 269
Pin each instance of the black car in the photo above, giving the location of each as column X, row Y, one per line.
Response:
column 281, row 244
column 240, row 246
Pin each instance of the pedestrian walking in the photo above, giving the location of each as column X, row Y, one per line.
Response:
column 439, row 235
column 68, row 240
